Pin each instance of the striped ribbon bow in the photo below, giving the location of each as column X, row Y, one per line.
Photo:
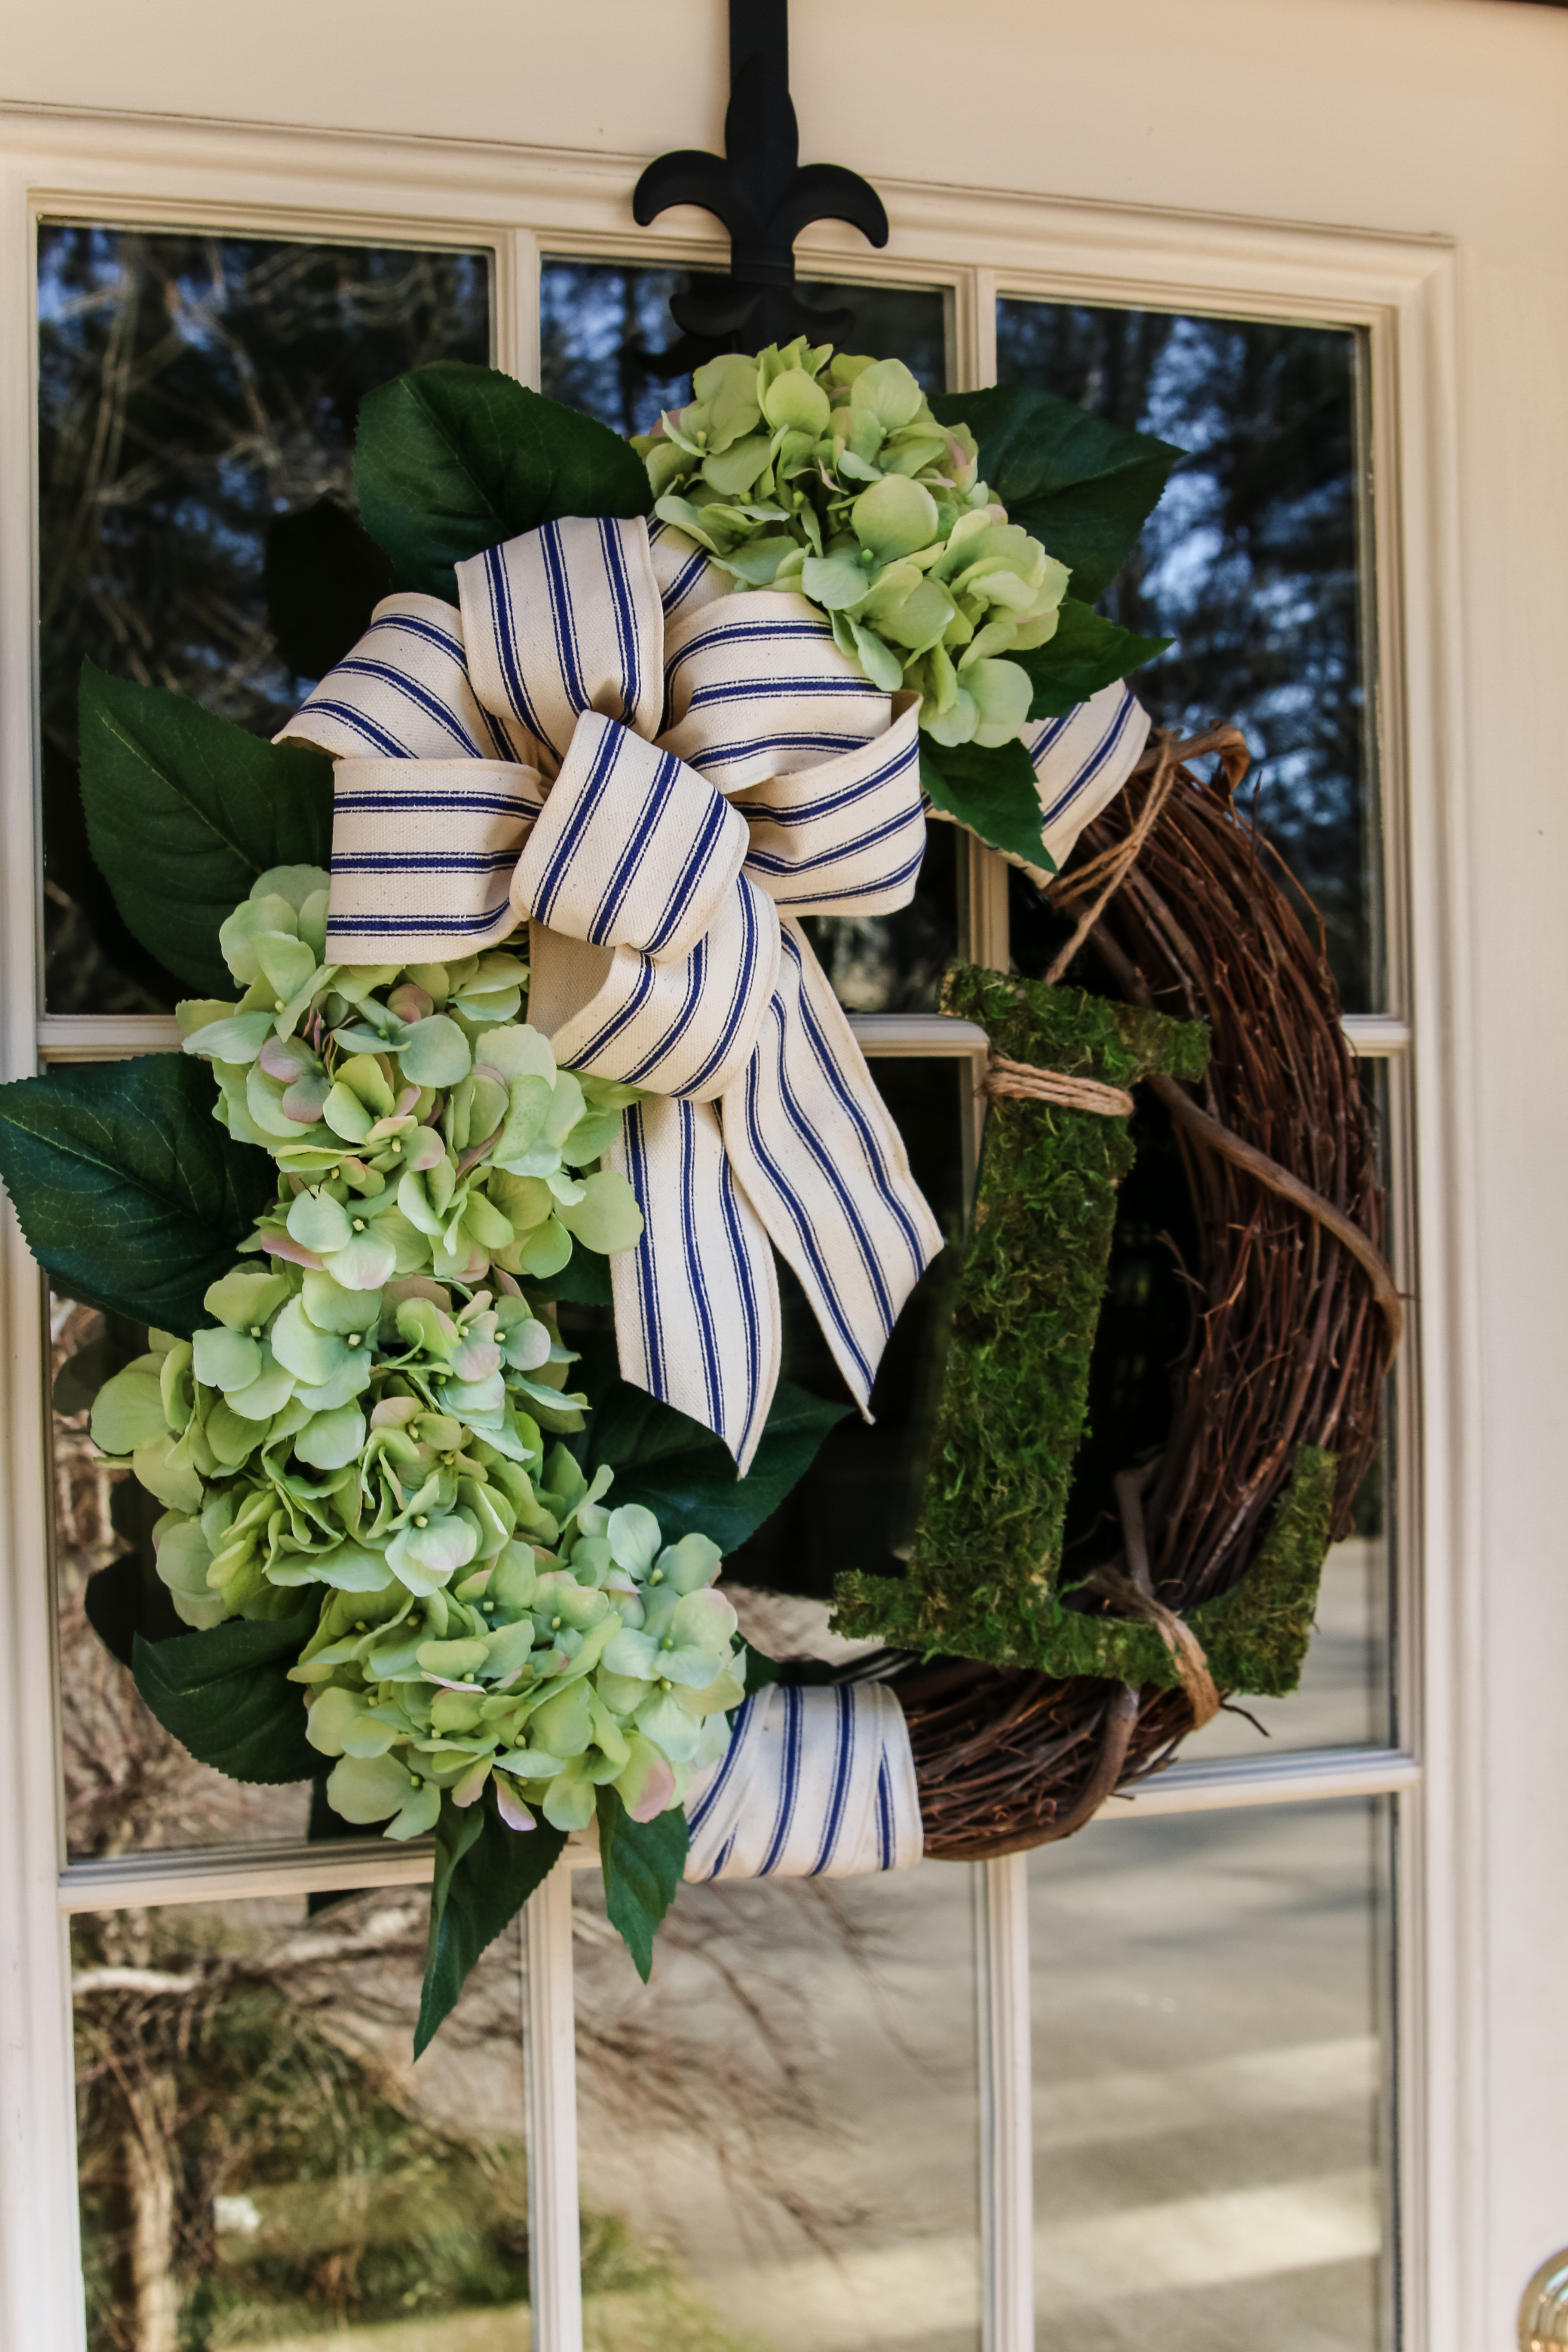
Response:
column 661, row 778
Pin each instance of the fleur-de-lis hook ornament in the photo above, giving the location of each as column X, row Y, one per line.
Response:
column 764, row 196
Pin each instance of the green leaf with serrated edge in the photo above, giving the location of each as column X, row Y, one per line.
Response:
column 453, row 459
column 681, row 1471
column 993, row 792
column 485, row 1873
column 1084, row 487
column 184, row 810
column 130, row 1194
column 1086, row 653
column 642, row 1863
column 226, row 1695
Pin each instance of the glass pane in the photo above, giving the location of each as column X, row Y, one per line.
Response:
column 260, row 2160
column 779, row 2135
column 1210, row 2103
column 1256, row 561
column 192, row 391
column 857, row 1504
column 130, row 1787
column 608, row 345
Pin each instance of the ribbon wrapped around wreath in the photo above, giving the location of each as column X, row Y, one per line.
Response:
column 662, row 777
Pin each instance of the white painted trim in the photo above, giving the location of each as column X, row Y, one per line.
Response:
column 550, row 2063
column 1235, row 1783
column 1006, row 2105
column 1375, row 1037
column 229, row 1874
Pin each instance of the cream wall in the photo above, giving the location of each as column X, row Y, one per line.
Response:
column 1441, row 118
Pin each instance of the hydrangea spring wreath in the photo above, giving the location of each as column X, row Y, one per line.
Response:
column 504, row 1002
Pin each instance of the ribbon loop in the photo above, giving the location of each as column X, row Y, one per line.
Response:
column 756, row 687
column 633, row 849
column 563, row 620
column 684, row 1028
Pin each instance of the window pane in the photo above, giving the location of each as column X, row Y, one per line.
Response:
column 609, row 345
column 789, row 2113
column 130, row 1787
column 1210, row 2113
column 857, row 1504
column 193, row 389
column 1255, row 561
column 260, row 2161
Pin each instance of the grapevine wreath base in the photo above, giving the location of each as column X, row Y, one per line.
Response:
column 1274, row 1401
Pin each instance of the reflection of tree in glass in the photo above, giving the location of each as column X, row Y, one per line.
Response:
column 1251, row 561
column 191, row 388
column 603, row 326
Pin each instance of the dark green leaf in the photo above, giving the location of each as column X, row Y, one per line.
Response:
column 226, row 1694
column 126, row 1599
column 129, row 1192
column 681, row 1471
column 993, row 792
column 322, row 577
column 1086, row 653
column 485, row 1873
column 1084, row 487
column 451, row 459
column 184, row 810
column 642, row 1863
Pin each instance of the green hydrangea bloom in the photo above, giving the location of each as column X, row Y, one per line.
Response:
column 519, row 1674
column 419, row 1126
column 811, row 470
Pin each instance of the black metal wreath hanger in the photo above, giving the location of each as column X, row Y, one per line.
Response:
column 764, row 196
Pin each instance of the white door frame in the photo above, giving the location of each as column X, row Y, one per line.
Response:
column 520, row 204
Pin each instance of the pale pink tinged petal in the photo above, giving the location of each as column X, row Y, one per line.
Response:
column 419, row 1285
column 471, row 1787
column 488, row 1070
column 391, row 1125
column 411, row 1002
column 423, row 1151
column 510, row 1807
column 285, row 1059
column 503, row 1282
column 355, row 1169
column 284, row 1245
column 393, row 1412
column 477, row 1359
column 658, row 1790
column 406, row 1100
column 478, row 1265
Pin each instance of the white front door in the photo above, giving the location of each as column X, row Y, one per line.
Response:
column 1274, row 2055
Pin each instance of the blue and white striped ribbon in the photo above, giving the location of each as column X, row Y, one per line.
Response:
column 659, row 776
column 816, row 1783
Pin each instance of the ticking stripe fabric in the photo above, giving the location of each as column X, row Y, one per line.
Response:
column 659, row 777
column 1081, row 764
column 816, row 1783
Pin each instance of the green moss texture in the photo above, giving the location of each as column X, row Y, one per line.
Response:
column 984, row 1564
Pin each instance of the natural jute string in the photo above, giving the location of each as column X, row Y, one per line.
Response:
column 1022, row 1079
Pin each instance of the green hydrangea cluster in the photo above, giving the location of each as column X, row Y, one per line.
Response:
column 829, row 475
column 601, row 1657
column 481, row 1610
column 419, row 1127
column 348, row 1438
